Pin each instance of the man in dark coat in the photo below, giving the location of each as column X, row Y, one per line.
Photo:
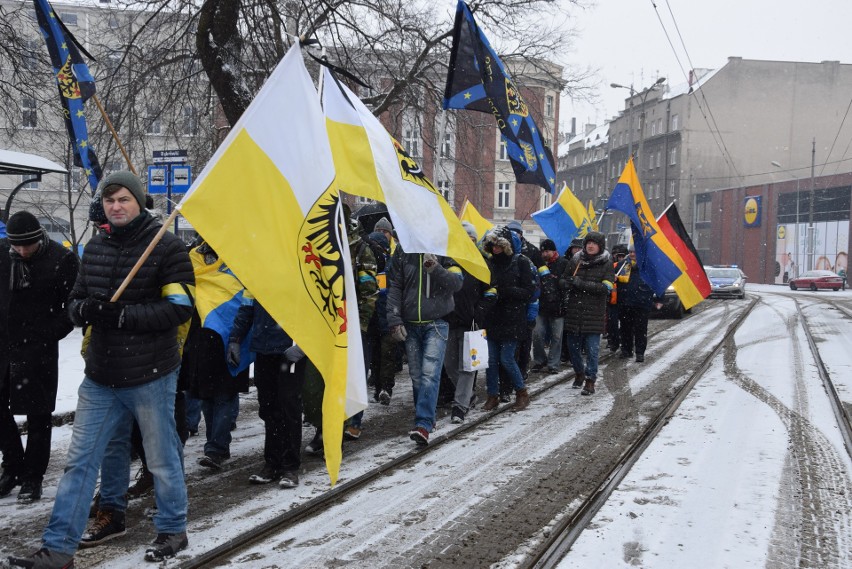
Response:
column 635, row 298
column 132, row 362
column 588, row 279
column 550, row 321
column 513, row 275
column 36, row 275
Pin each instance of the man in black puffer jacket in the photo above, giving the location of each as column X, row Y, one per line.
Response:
column 588, row 279
column 132, row 362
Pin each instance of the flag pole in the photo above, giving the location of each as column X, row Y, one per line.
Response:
column 114, row 134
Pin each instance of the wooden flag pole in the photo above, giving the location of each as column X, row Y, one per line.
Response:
column 114, row 134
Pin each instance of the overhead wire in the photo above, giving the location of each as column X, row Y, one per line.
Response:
column 715, row 132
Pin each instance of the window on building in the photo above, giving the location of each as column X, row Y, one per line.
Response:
column 152, row 120
column 445, row 190
column 672, row 188
column 659, row 158
column 503, row 152
column 189, row 121
column 653, row 128
column 29, row 112
column 545, row 200
column 650, row 161
column 548, row 106
column 612, row 173
column 447, row 145
column 675, row 120
column 31, row 51
column 673, row 156
column 68, row 18
column 411, row 141
column 31, row 185
column 112, row 22
column 504, row 194
column 660, row 126
column 704, row 209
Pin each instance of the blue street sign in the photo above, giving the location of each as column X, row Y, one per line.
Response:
column 158, row 179
column 181, row 178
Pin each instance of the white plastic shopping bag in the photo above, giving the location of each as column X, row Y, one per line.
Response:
column 474, row 354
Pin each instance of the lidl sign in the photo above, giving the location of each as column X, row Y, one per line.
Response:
column 751, row 211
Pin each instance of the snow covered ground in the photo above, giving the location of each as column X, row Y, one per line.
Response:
column 722, row 485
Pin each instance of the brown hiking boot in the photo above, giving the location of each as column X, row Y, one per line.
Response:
column 579, row 380
column 589, row 388
column 522, row 400
column 491, row 403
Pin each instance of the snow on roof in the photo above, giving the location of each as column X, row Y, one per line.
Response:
column 596, row 137
column 12, row 162
column 701, row 77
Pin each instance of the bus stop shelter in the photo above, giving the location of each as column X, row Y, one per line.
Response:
column 30, row 167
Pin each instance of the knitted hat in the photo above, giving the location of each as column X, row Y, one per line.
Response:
column 471, row 229
column 383, row 225
column 547, row 245
column 516, row 227
column 127, row 179
column 23, row 229
column 595, row 237
column 620, row 249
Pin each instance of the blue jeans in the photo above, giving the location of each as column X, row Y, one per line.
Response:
column 425, row 346
column 101, row 413
column 592, row 343
column 220, row 412
column 502, row 353
column 193, row 411
column 548, row 329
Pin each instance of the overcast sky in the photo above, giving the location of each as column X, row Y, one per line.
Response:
column 627, row 41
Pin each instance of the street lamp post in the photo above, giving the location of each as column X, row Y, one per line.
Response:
column 643, row 95
column 796, row 261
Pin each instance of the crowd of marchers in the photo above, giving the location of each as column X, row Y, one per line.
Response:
column 152, row 369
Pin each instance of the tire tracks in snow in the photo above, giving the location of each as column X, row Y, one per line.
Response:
column 812, row 524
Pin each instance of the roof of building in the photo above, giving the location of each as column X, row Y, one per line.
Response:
column 596, row 137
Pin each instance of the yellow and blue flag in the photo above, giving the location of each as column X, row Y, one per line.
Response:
column 592, row 216
column 472, row 215
column 477, row 80
column 369, row 162
column 266, row 204
column 656, row 257
column 564, row 220
column 218, row 297
column 76, row 86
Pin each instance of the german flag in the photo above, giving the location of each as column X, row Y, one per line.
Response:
column 692, row 286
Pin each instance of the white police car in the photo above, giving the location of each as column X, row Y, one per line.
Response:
column 726, row 281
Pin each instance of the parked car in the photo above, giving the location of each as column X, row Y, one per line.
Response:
column 815, row 280
column 671, row 307
column 726, row 282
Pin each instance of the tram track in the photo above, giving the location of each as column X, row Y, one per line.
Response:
column 568, row 530
column 233, row 548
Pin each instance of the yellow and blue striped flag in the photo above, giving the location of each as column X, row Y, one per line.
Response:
column 564, row 220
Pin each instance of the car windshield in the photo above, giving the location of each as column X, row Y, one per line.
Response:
column 723, row 273
column 817, row 274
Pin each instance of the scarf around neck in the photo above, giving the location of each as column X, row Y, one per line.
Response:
column 21, row 273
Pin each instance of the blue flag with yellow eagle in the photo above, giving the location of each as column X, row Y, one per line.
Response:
column 477, row 80
column 76, row 86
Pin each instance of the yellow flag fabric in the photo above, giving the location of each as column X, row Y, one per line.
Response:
column 266, row 205
column 593, row 219
column 472, row 215
column 370, row 163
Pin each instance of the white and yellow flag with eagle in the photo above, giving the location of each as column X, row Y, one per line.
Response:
column 266, row 203
column 371, row 163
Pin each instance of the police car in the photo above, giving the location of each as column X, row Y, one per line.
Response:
column 726, row 281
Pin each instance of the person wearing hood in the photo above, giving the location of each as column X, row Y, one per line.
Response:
column 588, row 279
column 420, row 297
column 36, row 275
column 513, row 277
column 635, row 298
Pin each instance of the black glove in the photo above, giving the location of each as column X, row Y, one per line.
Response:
column 566, row 282
column 578, row 283
column 294, row 353
column 234, row 354
column 99, row 311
